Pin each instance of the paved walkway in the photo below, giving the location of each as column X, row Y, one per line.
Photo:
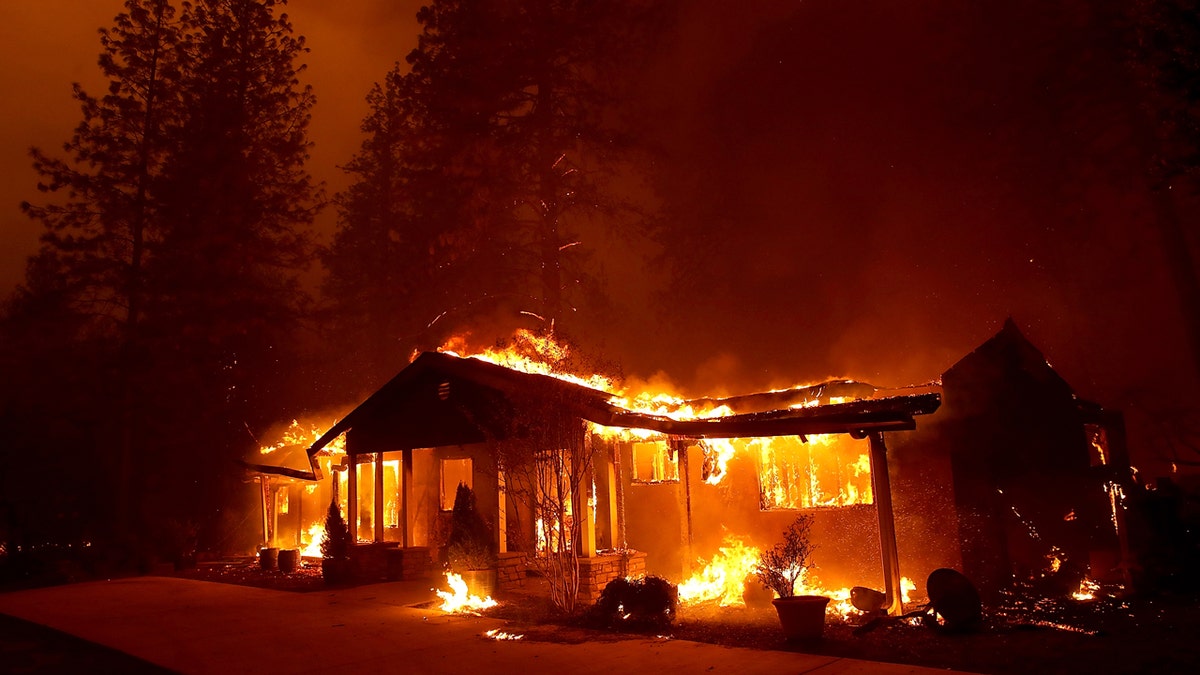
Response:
column 202, row 627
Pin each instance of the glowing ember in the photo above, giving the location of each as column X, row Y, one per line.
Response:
column 497, row 634
column 458, row 600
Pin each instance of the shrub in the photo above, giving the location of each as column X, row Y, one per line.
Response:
column 782, row 565
column 650, row 602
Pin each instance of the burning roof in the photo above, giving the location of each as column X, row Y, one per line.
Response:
column 442, row 399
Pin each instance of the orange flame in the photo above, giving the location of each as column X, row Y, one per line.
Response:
column 458, row 600
column 724, row 578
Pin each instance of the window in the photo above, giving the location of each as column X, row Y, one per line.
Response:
column 827, row 470
column 655, row 462
column 454, row 471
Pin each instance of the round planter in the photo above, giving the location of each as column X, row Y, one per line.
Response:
column 268, row 558
column 289, row 560
column 802, row 617
column 480, row 582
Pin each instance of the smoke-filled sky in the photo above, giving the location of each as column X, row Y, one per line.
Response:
column 886, row 181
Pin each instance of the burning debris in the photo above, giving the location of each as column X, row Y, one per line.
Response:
column 499, row 635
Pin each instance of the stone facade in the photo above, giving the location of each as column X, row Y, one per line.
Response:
column 596, row 572
column 510, row 570
column 387, row 561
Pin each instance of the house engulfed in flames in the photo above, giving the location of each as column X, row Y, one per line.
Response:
column 1007, row 470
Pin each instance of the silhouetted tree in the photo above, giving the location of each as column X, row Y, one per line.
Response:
column 482, row 160
column 175, row 235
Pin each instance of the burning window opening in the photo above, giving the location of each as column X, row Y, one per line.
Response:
column 824, row 470
column 655, row 462
column 455, row 471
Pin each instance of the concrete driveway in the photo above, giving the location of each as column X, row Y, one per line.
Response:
column 203, row 627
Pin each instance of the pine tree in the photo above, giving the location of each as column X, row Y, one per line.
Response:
column 176, row 227
column 494, row 154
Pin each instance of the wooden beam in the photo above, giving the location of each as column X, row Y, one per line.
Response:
column 352, row 498
column 377, row 517
column 406, row 473
column 585, row 518
column 881, row 485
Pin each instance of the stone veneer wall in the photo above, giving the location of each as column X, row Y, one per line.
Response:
column 388, row 561
column 510, row 570
column 596, row 572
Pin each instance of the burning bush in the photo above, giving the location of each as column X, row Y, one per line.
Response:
column 650, row 602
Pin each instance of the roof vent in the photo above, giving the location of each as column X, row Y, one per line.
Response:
column 444, row 391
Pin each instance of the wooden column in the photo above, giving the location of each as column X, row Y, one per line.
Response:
column 352, row 498
column 619, row 542
column 585, row 518
column 606, row 483
column 268, row 505
column 406, row 473
column 501, row 533
column 378, row 506
column 881, row 486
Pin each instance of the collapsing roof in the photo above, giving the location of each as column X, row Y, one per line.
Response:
column 441, row 399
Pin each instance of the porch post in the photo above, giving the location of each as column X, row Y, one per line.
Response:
column 378, row 517
column 501, row 533
column 881, row 486
column 606, row 481
column 406, row 474
column 352, row 498
column 585, row 516
column 267, row 507
column 619, row 542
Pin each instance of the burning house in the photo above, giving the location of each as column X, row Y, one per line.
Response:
column 693, row 490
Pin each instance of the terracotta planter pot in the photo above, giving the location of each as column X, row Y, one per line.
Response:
column 289, row 560
column 802, row 617
column 481, row 582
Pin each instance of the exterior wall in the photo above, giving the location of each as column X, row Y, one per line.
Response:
column 596, row 572
column 846, row 538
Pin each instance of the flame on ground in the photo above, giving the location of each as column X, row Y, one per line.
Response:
column 458, row 600
column 724, row 580
column 497, row 634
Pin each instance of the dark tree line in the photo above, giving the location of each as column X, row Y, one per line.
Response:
column 162, row 323
column 484, row 157
column 155, row 322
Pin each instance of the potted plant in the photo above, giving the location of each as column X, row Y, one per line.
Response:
column 335, row 547
column 469, row 551
column 780, row 567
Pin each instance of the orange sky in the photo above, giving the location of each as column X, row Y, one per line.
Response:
column 48, row 44
column 884, row 183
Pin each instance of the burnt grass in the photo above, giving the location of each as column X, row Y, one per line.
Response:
column 1022, row 636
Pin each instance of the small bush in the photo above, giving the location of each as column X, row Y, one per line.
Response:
column 650, row 602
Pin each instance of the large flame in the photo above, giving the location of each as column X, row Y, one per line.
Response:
column 458, row 599
column 312, row 547
column 725, row 577
column 722, row 579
